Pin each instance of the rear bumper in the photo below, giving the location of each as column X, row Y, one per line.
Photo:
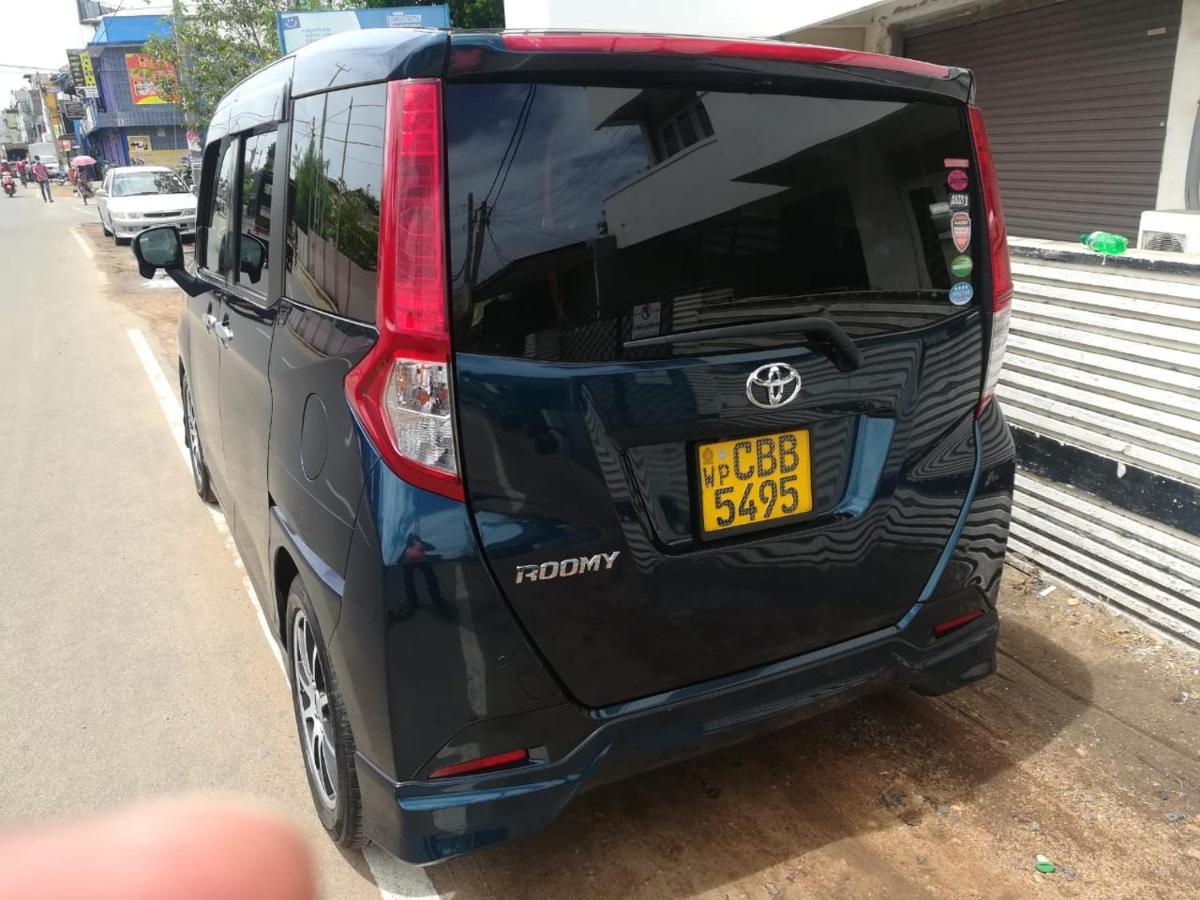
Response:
column 427, row 821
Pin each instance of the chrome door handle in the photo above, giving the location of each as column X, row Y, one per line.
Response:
column 210, row 322
column 224, row 333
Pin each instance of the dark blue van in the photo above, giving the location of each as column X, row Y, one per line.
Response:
column 580, row 402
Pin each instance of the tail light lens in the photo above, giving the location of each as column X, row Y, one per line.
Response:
column 1002, row 283
column 401, row 389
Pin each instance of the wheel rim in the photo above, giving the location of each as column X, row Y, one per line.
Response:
column 194, row 444
column 312, row 703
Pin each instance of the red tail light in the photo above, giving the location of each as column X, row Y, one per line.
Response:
column 484, row 764
column 698, row 46
column 401, row 389
column 1002, row 283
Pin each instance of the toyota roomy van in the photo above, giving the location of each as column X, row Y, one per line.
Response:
column 579, row 402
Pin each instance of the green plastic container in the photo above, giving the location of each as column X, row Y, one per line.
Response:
column 1103, row 242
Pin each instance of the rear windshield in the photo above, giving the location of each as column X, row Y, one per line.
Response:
column 587, row 223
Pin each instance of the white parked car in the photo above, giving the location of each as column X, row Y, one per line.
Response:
column 134, row 198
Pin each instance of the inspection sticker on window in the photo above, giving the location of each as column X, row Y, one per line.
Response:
column 957, row 179
column 960, row 230
column 961, row 293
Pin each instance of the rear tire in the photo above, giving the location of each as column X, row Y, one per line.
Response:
column 122, row 242
column 326, row 743
column 191, row 437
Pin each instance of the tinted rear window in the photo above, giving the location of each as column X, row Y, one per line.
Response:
column 584, row 218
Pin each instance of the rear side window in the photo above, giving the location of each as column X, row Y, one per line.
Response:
column 586, row 218
column 336, row 174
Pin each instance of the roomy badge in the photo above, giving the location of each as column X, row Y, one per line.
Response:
column 957, row 179
column 961, row 293
column 961, row 266
column 959, row 201
column 960, row 230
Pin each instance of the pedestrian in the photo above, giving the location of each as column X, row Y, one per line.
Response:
column 42, row 176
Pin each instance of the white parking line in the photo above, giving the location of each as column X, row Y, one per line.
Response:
column 395, row 880
column 174, row 414
column 83, row 244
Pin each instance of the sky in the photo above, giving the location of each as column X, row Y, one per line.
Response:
column 37, row 33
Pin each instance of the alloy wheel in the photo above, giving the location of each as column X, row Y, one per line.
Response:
column 194, row 444
column 316, row 715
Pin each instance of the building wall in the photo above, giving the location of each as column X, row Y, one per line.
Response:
column 1184, row 108
column 1101, row 384
column 759, row 19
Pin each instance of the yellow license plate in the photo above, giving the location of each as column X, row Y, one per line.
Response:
column 754, row 480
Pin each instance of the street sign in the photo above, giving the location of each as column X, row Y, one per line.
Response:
column 89, row 74
column 76, row 64
column 296, row 29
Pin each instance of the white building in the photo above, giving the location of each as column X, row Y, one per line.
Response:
column 1091, row 104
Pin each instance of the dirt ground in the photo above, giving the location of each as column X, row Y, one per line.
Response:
column 1084, row 748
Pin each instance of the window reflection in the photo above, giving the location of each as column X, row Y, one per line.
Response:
column 258, row 168
column 573, row 207
column 336, row 173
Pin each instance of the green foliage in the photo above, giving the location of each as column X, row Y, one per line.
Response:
column 214, row 47
column 220, row 42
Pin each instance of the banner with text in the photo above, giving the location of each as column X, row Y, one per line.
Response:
column 149, row 80
column 296, row 29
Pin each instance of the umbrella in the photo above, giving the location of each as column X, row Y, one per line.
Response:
column 83, row 161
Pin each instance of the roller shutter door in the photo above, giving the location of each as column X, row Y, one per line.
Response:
column 1075, row 95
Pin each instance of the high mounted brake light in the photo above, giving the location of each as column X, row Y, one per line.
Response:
column 567, row 42
column 1002, row 282
column 401, row 389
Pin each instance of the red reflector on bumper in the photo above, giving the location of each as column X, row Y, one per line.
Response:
column 483, row 764
column 958, row 622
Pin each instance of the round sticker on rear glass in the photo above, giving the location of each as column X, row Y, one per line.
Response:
column 957, row 179
column 961, row 266
column 961, row 293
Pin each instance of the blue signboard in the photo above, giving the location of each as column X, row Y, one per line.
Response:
column 299, row 28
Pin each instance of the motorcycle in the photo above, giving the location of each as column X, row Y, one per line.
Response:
column 9, row 183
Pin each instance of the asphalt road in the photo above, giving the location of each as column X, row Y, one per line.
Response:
column 131, row 657
column 132, row 665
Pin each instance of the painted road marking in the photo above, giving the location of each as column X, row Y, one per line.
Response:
column 83, row 244
column 395, row 880
column 174, row 414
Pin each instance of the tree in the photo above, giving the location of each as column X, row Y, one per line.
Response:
column 217, row 43
column 213, row 47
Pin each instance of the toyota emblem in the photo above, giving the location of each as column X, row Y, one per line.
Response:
column 773, row 385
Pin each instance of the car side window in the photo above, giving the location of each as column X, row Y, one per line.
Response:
column 216, row 239
column 258, row 171
column 336, row 178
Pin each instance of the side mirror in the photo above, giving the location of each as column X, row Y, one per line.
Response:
column 162, row 248
column 253, row 256
column 158, row 248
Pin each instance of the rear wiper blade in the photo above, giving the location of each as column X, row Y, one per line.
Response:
column 846, row 354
